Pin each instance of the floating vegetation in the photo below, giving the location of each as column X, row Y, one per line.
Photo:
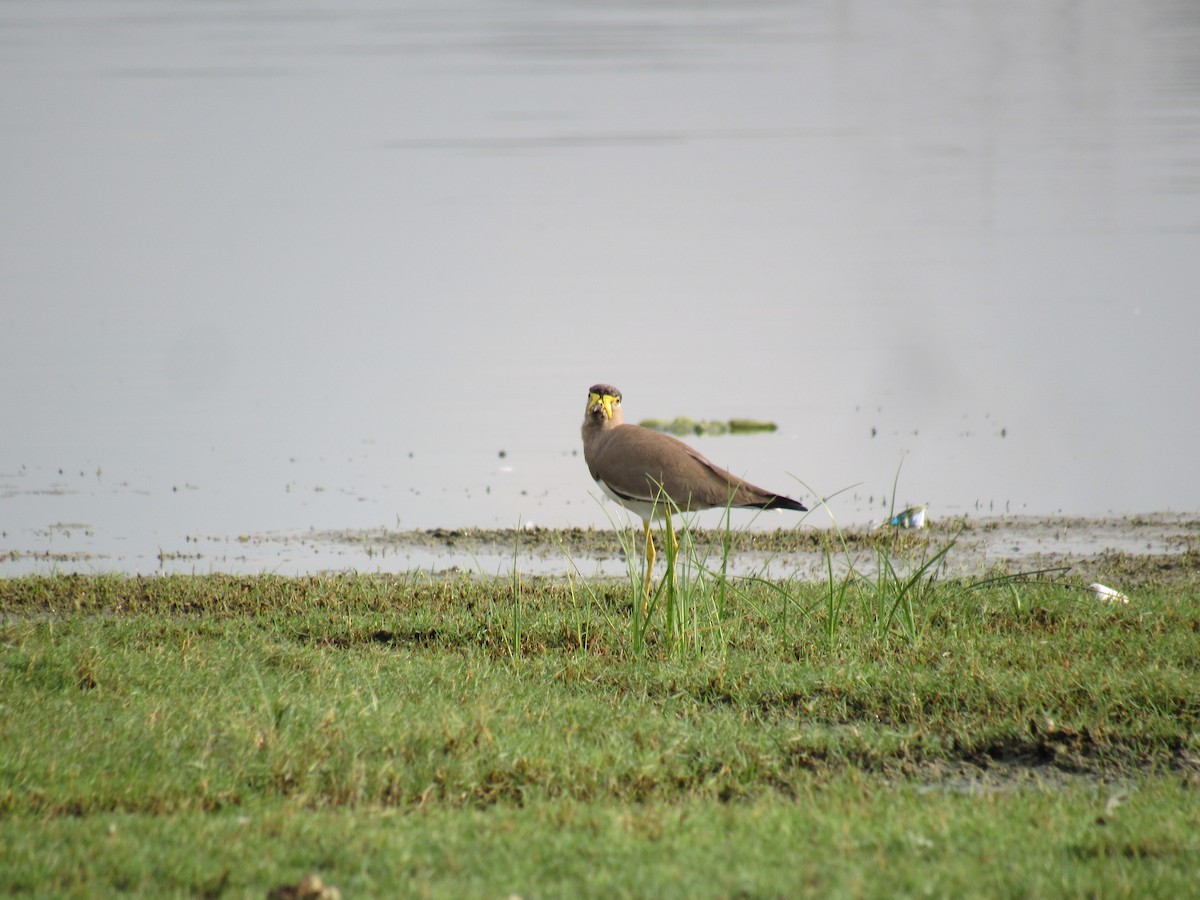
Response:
column 682, row 425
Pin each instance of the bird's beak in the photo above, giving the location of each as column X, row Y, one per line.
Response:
column 598, row 404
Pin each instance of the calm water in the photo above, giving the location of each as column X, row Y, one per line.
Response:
column 272, row 266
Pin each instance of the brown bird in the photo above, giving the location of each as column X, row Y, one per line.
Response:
column 651, row 473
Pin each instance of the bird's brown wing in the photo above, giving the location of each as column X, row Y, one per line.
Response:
column 634, row 461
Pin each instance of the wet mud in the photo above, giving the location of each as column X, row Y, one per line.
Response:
column 1148, row 549
column 1123, row 552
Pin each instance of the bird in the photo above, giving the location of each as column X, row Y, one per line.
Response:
column 651, row 473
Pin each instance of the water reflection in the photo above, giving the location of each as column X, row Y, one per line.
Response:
column 274, row 267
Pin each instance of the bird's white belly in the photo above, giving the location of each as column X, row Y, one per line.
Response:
column 643, row 508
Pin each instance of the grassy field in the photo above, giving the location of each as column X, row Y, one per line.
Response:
column 449, row 736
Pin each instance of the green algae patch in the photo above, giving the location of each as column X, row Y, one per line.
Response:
column 683, row 426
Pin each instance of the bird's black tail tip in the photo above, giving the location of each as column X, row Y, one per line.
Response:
column 781, row 502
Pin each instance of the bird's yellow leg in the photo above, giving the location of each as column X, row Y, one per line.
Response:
column 649, row 563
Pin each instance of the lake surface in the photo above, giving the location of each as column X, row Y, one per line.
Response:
column 276, row 267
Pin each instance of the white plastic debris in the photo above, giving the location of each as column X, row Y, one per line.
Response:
column 1105, row 594
column 913, row 517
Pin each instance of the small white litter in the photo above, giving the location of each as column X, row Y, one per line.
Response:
column 1105, row 594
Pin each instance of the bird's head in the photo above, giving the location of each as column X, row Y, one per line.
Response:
column 604, row 404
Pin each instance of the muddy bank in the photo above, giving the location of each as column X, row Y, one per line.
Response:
column 1136, row 550
column 1128, row 551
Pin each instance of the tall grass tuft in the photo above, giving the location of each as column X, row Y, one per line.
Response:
column 513, row 640
column 898, row 594
column 690, row 605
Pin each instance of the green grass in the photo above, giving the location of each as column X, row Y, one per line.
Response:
column 423, row 736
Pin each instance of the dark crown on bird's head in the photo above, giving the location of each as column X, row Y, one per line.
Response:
column 604, row 390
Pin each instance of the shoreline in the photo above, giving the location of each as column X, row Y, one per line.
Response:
column 1135, row 549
